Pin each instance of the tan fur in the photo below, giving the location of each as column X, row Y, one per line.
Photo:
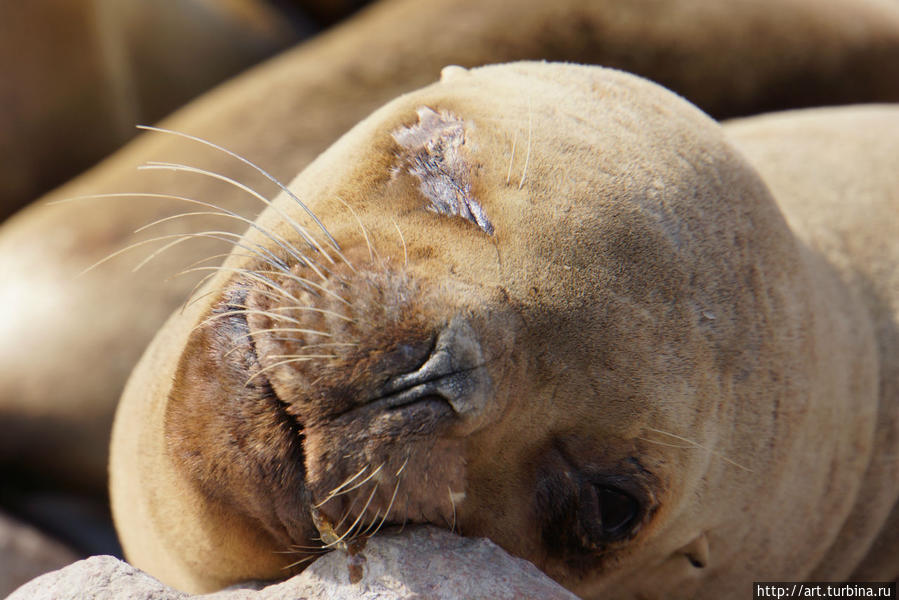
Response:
column 731, row 58
column 641, row 316
column 77, row 75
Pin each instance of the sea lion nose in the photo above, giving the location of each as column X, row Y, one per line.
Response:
column 454, row 371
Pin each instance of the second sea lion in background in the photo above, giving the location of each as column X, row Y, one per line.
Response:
column 76, row 76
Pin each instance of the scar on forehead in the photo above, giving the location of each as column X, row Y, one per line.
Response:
column 432, row 153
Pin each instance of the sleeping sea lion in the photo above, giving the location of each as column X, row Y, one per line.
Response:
column 551, row 305
column 281, row 115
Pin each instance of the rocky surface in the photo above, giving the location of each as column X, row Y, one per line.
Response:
column 415, row 564
column 26, row 553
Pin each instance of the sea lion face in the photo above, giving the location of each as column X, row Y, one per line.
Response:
column 502, row 328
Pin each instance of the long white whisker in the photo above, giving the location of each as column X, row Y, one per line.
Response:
column 392, row 498
column 289, row 248
column 512, row 158
column 358, row 485
column 301, row 231
column 361, row 514
column 402, row 239
column 250, row 274
column 527, row 158
column 283, row 244
column 371, row 256
column 696, row 445
column 306, row 358
column 253, row 165
column 222, row 236
column 344, row 484
column 307, row 282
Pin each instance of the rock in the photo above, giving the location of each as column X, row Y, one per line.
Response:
column 418, row 563
column 26, row 553
column 99, row 578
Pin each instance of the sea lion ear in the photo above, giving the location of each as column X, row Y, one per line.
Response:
column 697, row 551
column 452, row 73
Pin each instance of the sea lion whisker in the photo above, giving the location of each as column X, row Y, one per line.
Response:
column 371, row 250
column 453, row 504
column 251, row 274
column 284, row 245
column 212, row 257
column 403, row 240
column 666, row 444
column 140, row 243
column 313, row 244
column 361, row 514
column 527, row 156
column 396, row 489
column 374, row 520
column 337, row 492
column 299, row 562
column 275, row 295
column 511, row 158
column 283, row 330
column 344, row 484
column 347, row 513
column 699, row 446
column 222, row 211
column 285, row 339
column 297, row 548
column 323, row 311
column 252, row 165
column 178, row 238
column 308, row 282
column 197, row 287
column 306, row 358
column 402, row 466
column 249, row 311
column 405, row 512
column 190, row 298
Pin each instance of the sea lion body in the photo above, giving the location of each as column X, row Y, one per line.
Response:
column 552, row 305
column 286, row 112
column 78, row 75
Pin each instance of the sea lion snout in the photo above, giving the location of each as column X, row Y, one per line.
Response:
column 454, row 372
column 358, row 388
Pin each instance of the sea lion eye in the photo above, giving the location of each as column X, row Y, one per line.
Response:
column 585, row 514
column 617, row 510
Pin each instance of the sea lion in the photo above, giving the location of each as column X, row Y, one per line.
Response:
column 284, row 113
column 78, row 74
column 555, row 306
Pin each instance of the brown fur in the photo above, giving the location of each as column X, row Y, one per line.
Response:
column 642, row 332
column 731, row 58
column 78, row 75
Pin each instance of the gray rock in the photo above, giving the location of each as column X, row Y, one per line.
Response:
column 98, row 578
column 26, row 553
column 421, row 563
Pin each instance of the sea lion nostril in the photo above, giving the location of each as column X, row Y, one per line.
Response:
column 454, row 372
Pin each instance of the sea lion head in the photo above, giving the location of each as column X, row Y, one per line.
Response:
column 544, row 304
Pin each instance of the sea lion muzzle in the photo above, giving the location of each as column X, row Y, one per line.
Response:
column 453, row 373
